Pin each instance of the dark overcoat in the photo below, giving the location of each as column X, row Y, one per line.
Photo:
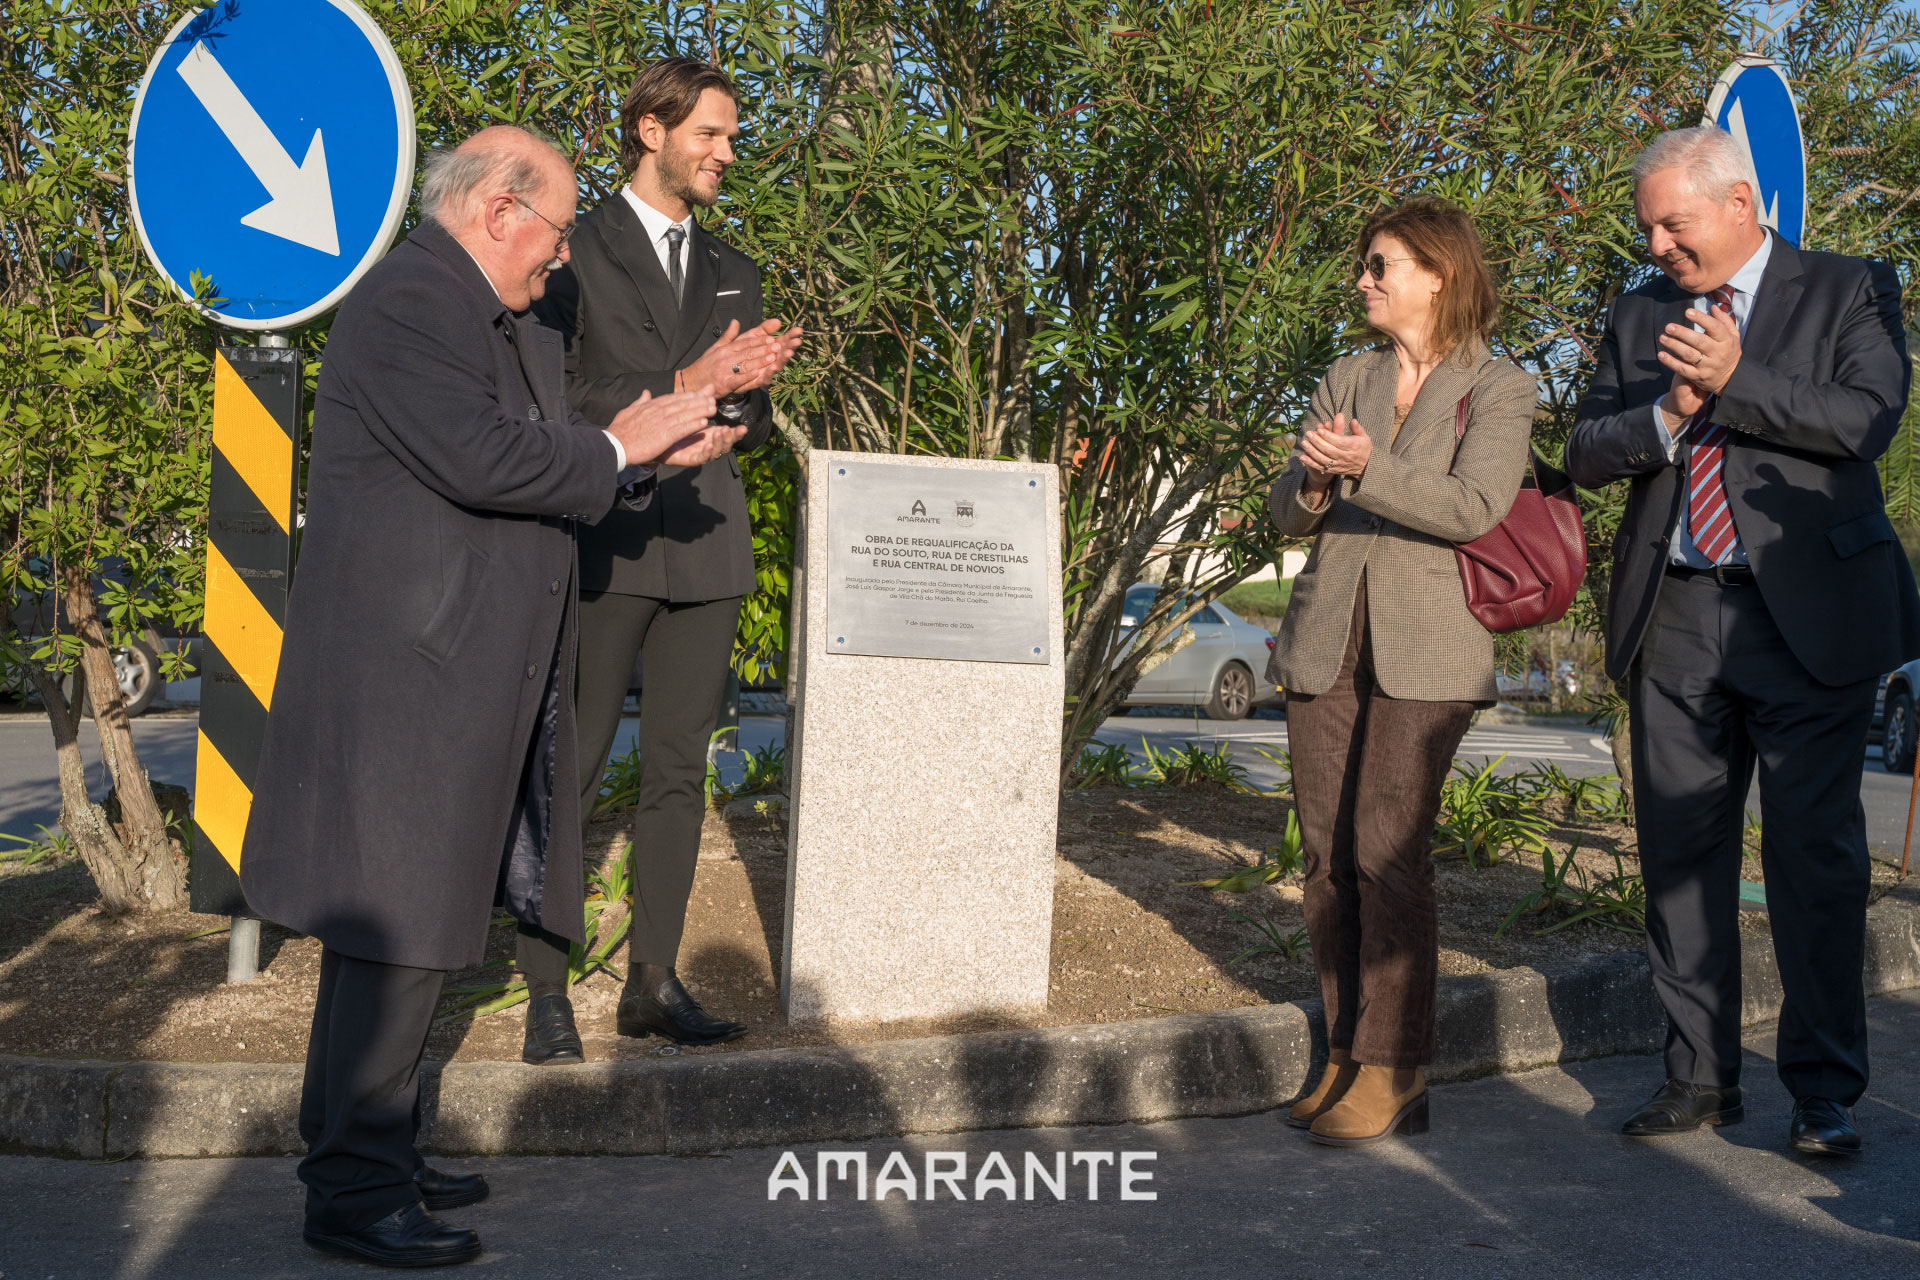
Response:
column 624, row 334
column 424, row 703
column 1817, row 396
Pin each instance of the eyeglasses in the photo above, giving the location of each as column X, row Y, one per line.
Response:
column 565, row 233
column 1374, row 265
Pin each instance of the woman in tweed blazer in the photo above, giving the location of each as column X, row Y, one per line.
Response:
column 1382, row 662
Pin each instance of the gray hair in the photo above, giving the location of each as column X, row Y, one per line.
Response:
column 1713, row 161
column 453, row 176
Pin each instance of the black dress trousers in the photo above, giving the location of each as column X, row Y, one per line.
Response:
column 1714, row 692
column 685, row 649
column 360, row 1103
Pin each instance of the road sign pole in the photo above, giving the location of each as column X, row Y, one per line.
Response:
column 250, row 522
column 243, row 949
column 243, row 937
column 1913, row 797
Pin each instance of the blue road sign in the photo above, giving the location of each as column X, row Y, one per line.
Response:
column 271, row 151
column 1754, row 103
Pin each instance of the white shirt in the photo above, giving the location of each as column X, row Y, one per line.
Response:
column 641, row 469
column 657, row 224
column 1745, row 285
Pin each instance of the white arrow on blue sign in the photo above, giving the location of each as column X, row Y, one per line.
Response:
column 272, row 152
column 1753, row 101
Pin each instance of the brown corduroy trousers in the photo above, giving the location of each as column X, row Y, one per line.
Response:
column 1367, row 770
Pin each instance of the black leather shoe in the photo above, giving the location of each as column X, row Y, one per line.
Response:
column 1822, row 1127
column 551, row 1036
column 671, row 1012
column 407, row 1237
column 1681, row 1107
column 440, row 1190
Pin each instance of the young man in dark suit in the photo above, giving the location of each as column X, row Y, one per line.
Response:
column 1758, row 593
column 653, row 302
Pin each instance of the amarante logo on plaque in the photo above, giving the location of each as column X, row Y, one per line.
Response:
column 963, row 512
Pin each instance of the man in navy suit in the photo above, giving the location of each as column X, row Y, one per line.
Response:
column 1758, row 593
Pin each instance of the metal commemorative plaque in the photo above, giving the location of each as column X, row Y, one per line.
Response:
column 936, row 562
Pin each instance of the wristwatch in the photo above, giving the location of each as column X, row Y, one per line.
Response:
column 732, row 408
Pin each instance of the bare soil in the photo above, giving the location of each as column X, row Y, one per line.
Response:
column 1133, row 938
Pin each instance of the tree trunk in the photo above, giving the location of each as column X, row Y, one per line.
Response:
column 1620, row 739
column 146, row 870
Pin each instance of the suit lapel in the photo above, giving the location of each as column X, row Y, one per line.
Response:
column 627, row 243
column 703, row 278
column 1373, row 394
column 544, row 364
column 1774, row 304
column 1439, row 397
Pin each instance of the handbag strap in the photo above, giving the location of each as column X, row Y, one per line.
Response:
column 1531, row 480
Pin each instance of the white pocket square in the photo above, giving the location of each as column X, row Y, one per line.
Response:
column 727, row 293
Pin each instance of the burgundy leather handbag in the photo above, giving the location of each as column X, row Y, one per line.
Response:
column 1525, row 570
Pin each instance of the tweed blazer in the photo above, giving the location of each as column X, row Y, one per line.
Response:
column 1398, row 524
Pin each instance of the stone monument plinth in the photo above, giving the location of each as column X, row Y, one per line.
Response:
column 926, row 677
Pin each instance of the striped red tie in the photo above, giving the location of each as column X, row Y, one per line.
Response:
column 1709, row 518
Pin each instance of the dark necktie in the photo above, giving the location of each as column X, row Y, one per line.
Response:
column 675, row 276
column 1709, row 517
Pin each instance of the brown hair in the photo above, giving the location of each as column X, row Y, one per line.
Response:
column 1441, row 237
column 668, row 90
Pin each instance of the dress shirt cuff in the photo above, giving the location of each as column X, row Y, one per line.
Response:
column 1668, row 441
column 628, row 476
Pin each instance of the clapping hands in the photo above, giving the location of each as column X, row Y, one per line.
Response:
column 1329, row 449
column 741, row 361
column 1702, row 360
column 673, row 429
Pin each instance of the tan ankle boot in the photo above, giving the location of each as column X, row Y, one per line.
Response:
column 1339, row 1073
column 1375, row 1105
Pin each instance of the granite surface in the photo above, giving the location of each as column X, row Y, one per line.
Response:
column 925, row 796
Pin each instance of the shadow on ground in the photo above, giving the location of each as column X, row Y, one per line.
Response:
column 1522, row 1176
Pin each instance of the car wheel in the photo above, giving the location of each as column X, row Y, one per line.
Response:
column 1232, row 693
column 138, row 670
column 1897, row 741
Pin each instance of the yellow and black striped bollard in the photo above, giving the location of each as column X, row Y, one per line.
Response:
column 250, row 546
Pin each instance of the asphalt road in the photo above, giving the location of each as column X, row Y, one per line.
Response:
column 1521, row 1176
column 1574, row 747
column 30, row 796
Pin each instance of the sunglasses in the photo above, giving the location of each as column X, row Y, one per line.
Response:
column 1374, row 265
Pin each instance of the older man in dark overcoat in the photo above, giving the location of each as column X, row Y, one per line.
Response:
column 423, row 711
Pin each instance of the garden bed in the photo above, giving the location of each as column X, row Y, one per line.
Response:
column 1133, row 938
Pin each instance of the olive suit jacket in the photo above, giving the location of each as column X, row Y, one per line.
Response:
column 1421, row 492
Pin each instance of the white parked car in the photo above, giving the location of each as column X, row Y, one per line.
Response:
column 1533, row 682
column 1224, row 668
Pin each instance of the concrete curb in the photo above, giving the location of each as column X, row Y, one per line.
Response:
column 1212, row 1064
